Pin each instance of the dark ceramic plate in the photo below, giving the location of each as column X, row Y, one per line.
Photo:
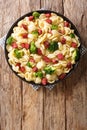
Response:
column 50, row 86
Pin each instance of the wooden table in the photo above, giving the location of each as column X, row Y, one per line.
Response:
column 63, row 108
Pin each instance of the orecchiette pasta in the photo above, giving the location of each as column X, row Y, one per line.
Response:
column 42, row 48
column 51, row 78
column 41, row 64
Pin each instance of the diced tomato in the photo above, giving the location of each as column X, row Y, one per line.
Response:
column 46, row 59
column 14, row 45
column 49, row 21
column 27, row 45
column 73, row 44
column 31, row 18
column 44, row 81
column 39, row 51
column 24, row 26
column 60, row 56
column 35, row 69
column 46, row 44
column 59, row 31
column 48, row 15
column 62, row 31
column 54, row 61
column 63, row 40
column 23, row 45
column 39, row 31
column 66, row 24
column 50, row 31
column 25, row 35
column 62, row 76
column 22, row 69
column 69, row 65
column 31, row 59
column 18, row 64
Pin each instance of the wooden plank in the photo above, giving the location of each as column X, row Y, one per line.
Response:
column 29, row 5
column 54, row 108
column 52, row 5
column 32, row 108
column 32, row 100
column 76, row 84
column 22, row 108
column 54, row 101
column 10, row 85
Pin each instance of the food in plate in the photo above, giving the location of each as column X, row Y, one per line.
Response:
column 42, row 48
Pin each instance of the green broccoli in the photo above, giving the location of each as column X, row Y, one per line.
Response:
column 36, row 15
column 49, row 70
column 53, row 46
column 33, row 48
column 54, row 27
column 76, row 54
column 18, row 53
column 39, row 74
column 10, row 40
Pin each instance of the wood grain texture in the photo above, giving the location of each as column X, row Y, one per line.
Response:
column 10, row 85
column 32, row 101
column 63, row 108
column 54, row 109
column 54, row 101
column 76, row 84
column 56, row 5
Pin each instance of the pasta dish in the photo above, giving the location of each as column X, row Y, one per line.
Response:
column 42, row 48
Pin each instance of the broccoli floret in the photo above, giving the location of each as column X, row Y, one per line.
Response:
column 72, row 35
column 53, row 46
column 9, row 40
column 33, row 48
column 18, row 54
column 36, row 15
column 29, row 64
column 49, row 70
column 54, row 27
column 76, row 54
column 39, row 74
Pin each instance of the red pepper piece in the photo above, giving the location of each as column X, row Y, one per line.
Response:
column 54, row 61
column 69, row 65
column 39, row 31
column 14, row 45
column 44, row 81
column 46, row 59
column 66, row 24
column 60, row 56
column 31, row 59
column 31, row 18
column 62, row 31
column 25, row 35
column 46, row 44
column 63, row 40
column 50, row 31
column 35, row 69
column 73, row 44
column 48, row 15
column 24, row 26
column 62, row 76
column 27, row 46
column 23, row 45
column 39, row 51
column 18, row 64
column 49, row 21
column 22, row 69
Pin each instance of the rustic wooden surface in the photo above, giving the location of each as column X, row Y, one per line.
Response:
column 63, row 108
